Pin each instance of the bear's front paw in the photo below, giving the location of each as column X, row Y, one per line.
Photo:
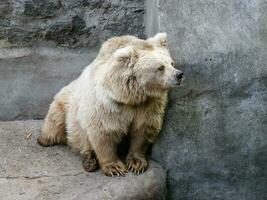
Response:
column 114, row 168
column 89, row 163
column 137, row 165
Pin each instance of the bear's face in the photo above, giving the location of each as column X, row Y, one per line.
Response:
column 136, row 72
column 151, row 66
column 154, row 70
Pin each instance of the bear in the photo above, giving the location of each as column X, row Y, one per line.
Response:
column 124, row 91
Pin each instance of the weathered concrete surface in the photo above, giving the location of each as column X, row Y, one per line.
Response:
column 29, row 171
column 214, row 142
column 80, row 23
column 30, row 77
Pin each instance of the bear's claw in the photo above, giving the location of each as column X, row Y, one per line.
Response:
column 45, row 142
column 137, row 165
column 115, row 169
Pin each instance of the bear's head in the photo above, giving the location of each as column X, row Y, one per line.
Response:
column 141, row 70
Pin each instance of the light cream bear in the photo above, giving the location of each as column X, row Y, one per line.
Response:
column 123, row 91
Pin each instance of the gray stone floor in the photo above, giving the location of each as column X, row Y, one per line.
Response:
column 30, row 172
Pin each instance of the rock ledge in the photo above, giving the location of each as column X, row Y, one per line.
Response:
column 29, row 171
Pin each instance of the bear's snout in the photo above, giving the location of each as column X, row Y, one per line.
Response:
column 179, row 75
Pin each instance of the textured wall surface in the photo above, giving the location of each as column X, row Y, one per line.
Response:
column 214, row 140
column 44, row 44
column 80, row 23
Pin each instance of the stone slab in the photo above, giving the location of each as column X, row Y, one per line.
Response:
column 29, row 171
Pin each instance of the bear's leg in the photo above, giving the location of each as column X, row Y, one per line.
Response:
column 105, row 147
column 78, row 139
column 136, row 159
column 53, row 130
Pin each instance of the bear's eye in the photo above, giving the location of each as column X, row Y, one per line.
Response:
column 161, row 68
column 172, row 63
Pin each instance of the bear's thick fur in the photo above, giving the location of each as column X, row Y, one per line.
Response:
column 123, row 91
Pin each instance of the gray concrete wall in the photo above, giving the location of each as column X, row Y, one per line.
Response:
column 214, row 140
column 30, row 77
column 45, row 44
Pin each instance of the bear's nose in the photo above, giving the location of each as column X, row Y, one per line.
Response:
column 179, row 75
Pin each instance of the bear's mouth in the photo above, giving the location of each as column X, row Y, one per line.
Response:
column 179, row 81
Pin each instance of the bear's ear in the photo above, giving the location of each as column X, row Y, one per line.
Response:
column 128, row 54
column 159, row 40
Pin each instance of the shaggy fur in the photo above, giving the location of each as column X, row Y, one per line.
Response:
column 123, row 91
